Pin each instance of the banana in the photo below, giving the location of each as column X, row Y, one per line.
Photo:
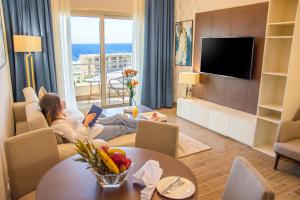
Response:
column 112, row 151
column 108, row 162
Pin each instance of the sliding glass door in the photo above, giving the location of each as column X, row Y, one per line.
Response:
column 98, row 77
column 85, row 33
column 118, row 56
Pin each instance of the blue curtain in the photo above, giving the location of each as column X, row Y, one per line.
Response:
column 157, row 88
column 30, row 17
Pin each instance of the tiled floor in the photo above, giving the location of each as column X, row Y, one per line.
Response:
column 213, row 166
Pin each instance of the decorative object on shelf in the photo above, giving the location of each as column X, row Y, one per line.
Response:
column 28, row 44
column 189, row 78
column 184, row 43
column 2, row 47
column 131, row 84
column 110, row 166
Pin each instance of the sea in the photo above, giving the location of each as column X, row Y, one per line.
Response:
column 78, row 49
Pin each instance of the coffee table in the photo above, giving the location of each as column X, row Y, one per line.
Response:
column 71, row 180
column 120, row 110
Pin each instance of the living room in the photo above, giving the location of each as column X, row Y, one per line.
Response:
column 173, row 99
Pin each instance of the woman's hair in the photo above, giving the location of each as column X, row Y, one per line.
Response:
column 50, row 106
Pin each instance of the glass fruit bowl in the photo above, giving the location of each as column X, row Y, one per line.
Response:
column 111, row 180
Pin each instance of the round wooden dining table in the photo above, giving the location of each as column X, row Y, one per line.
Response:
column 70, row 180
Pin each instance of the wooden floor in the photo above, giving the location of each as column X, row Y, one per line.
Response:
column 213, row 166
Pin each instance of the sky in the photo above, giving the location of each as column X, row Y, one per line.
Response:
column 85, row 30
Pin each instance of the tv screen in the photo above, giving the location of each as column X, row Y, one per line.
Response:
column 227, row 56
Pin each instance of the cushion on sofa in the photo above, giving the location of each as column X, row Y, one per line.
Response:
column 35, row 117
column 290, row 149
column 21, row 127
column 127, row 140
column 30, row 95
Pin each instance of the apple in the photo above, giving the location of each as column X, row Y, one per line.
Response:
column 127, row 163
column 118, row 159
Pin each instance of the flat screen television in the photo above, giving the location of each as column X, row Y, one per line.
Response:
column 231, row 56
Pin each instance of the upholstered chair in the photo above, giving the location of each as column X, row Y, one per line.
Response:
column 29, row 156
column 246, row 183
column 287, row 141
column 157, row 136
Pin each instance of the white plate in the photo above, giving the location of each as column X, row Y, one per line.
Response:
column 148, row 115
column 184, row 191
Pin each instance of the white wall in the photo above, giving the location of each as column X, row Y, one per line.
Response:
column 121, row 6
column 6, row 118
column 186, row 10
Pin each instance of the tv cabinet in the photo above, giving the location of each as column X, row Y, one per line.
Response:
column 226, row 121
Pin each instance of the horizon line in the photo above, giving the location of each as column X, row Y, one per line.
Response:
column 99, row 43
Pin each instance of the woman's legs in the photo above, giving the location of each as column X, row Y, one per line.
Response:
column 118, row 120
column 112, row 131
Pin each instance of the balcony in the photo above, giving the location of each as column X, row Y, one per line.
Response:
column 87, row 81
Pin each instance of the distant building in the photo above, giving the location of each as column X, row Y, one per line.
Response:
column 88, row 65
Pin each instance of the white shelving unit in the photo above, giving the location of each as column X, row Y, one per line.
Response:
column 286, row 23
column 279, row 95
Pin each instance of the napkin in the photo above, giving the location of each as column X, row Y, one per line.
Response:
column 148, row 175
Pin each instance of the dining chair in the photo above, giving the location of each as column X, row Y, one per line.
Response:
column 29, row 156
column 246, row 183
column 157, row 136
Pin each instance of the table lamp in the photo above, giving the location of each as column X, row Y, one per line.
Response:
column 189, row 78
column 28, row 44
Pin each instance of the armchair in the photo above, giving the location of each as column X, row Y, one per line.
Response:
column 287, row 141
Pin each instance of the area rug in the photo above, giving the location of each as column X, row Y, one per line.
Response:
column 188, row 146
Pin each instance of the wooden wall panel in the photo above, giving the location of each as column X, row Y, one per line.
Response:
column 236, row 93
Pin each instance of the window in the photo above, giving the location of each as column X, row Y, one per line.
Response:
column 98, row 81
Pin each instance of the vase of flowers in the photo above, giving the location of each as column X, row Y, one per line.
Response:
column 109, row 165
column 131, row 83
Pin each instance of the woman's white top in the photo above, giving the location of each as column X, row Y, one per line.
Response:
column 71, row 128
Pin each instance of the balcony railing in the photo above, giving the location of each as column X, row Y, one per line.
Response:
column 87, row 80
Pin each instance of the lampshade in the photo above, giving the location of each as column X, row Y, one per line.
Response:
column 189, row 78
column 27, row 43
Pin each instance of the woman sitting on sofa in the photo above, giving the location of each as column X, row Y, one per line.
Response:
column 72, row 128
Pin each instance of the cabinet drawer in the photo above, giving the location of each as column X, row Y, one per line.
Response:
column 242, row 131
column 199, row 115
column 218, row 122
column 184, row 108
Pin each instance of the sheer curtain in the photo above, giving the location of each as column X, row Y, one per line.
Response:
column 63, row 51
column 138, row 42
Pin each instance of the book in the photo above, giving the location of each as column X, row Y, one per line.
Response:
column 97, row 110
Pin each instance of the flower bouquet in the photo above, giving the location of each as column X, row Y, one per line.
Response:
column 131, row 83
column 109, row 165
